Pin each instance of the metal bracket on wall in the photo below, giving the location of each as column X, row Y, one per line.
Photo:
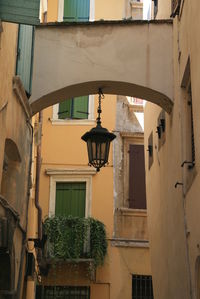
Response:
column 190, row 164
column 178, row 183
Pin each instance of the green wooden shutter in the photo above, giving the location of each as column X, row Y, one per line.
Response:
column 20, row 11
column 80, row 107
column 25, row 55
column 69, row 10
column 65, row 109
column 83, row 10
column 70, row 199
column 76, row 10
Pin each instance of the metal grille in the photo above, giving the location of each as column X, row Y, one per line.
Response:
column 63, row 292
column 142, row 287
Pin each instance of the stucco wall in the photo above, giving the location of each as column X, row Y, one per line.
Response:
column 173, row 212
column 15, row 153
column 108, row 58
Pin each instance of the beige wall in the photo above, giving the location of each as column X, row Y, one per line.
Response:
column 173, row 212
column 15, row 147
column 108, row 59
column 164, row 9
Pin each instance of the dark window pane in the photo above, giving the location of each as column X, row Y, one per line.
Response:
column 142, row 287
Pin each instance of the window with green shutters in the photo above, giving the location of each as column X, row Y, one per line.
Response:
column 70, row 199
column 76, row 108
column 76, row 10
column 20, row 11
column 24, row 61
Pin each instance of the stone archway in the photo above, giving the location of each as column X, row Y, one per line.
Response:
column 126, row 58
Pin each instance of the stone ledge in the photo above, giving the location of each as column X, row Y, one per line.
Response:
column 118, row 242
column 71, row 171
column 105, row 22
column 132, row 212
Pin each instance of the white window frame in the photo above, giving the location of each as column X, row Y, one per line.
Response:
column 88, row 121
column 61, row 10
column 70, row 175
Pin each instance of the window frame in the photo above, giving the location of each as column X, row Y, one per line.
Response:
column 129, row 138
column 70, row 175
column 61, row 10
column 189, row 170
column 87, row 121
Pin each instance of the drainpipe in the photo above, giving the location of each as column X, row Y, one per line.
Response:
column 37, row 182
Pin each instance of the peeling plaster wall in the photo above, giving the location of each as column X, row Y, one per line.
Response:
column 128, row 224
column 126, row 121
column 15, row 148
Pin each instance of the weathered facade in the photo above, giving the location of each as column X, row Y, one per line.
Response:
column 172, row 171
column 105, row 53
column 15, row 167
column 163, row 68
column 65, row 164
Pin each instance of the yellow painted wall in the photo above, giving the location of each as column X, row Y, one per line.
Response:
column 62, row 147
column 109, row 10
column 52, row 11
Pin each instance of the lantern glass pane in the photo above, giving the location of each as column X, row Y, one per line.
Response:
column 89, row 146
column 107, row 151
column 103, row 150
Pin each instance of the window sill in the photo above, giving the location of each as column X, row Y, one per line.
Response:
column 118, row 242
column 133, row 212
column 73, row 122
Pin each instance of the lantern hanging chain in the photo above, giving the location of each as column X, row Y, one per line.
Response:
column 101, row 96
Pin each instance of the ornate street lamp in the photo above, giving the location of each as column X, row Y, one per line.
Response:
column 98, row 141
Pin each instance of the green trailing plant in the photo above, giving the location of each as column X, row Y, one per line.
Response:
column 75, row 238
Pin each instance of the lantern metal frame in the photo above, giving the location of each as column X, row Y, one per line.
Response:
column 98, row 141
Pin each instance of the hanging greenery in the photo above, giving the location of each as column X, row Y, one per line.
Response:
column 75, row 238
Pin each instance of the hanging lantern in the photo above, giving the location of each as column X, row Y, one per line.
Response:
column 98, row 141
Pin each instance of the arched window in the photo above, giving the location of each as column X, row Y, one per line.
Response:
column 11, row 168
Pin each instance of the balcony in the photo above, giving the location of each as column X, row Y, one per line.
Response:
column 74, row 240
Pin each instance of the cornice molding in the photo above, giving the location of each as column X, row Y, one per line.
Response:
column 70, row 171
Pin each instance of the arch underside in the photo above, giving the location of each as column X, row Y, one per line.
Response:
column 107, row 87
